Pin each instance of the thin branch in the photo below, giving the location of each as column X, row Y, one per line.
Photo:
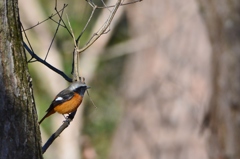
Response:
column 57, row 23
column 105, row 5
column 75, row 56
column 102, row 29
column 37, row 58
column 74, row 41
column 55, row 34
column 90, row 18
column 122, row 4
column 60, row 16
column 65, row 124
column 90, row 2
column 91, row 100
column 50, row 17
column 46, row 63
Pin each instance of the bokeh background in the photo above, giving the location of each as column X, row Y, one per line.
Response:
column 158, row 79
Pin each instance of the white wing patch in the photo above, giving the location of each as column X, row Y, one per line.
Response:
column 58, row 99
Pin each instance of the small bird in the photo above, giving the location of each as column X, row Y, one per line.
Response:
column 68, row 100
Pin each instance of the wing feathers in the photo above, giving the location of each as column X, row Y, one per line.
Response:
column 62, row 97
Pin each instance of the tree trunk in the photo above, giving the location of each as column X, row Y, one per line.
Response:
column 19, row 135
column 222, row 18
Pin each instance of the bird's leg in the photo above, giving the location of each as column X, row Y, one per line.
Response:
column 68, row 115
column 64, row 116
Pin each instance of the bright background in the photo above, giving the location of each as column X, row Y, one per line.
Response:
column 151, row 78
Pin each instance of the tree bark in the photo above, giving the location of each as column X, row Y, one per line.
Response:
column 19, row 135
column 222, row 19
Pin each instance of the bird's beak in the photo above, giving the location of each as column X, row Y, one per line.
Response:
column 88, row 87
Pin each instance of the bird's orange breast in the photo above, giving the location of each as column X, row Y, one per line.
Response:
column 70, row 105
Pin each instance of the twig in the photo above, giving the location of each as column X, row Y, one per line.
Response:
column 105, row 5
column 50, row 17
column 35, row 56
column 90, row 18
column 122, row 4
column 74, row 41
column 46, row 63
column 57, row 23
column 75, row 56
column 65, row 124
column 60, row 16
column 91, row 100
column 102, row 29
column 56, row 31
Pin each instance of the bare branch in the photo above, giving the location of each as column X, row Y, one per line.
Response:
column 60, row 16
column 65, row 124
column 75, row 56
column 50, row 17
column 33, row 55
column 74, row 41
column 90, row 18
column 103, row 28
column 122, row 4
column 56, row 31
column 46, row 63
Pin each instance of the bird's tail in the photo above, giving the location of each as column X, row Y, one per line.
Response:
column 45, row 116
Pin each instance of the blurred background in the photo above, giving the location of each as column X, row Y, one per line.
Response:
column 164, row 79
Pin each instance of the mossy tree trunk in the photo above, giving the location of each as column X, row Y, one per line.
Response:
column 19, row 130
column 222, row 19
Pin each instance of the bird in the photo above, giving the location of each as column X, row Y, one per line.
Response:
column 68, row 100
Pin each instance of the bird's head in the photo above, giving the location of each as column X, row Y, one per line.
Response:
column 78, row 87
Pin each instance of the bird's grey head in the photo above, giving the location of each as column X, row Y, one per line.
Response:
column 78, row 87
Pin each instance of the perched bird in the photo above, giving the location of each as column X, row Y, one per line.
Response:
column 68, row 100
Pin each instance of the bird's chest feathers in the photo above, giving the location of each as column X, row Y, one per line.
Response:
column 69, row 106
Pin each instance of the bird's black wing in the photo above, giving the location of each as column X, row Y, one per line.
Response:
column 62, row 97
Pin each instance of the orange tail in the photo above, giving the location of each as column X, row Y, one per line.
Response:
column 45, row 116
